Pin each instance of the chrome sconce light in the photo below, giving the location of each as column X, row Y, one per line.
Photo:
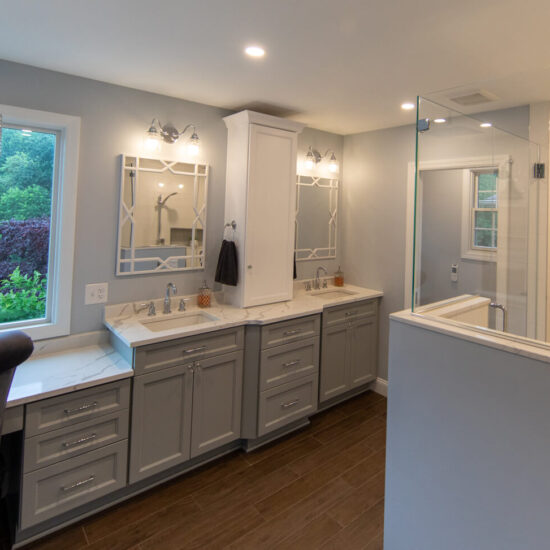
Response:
column 314, row 157
column 169, row 134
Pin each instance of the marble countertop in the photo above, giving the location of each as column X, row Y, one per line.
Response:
column 517, row 345
column 49, row 374
column 122, row 320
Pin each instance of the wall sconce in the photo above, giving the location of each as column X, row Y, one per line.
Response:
column 313, row 157
column 169, row 134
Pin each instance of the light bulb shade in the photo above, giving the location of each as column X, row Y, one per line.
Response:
column 333, row 164
column 193, row 147
column 310, row 160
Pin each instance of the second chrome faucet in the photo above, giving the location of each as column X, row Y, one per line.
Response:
column 170, row 290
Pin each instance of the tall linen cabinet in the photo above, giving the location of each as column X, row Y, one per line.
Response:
column 260, row 196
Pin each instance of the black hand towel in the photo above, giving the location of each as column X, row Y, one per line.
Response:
column 227, row 271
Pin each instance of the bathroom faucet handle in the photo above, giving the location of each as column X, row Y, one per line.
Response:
column 182, row 307
column 308, row 286
column 324, row 283
column 151, row 309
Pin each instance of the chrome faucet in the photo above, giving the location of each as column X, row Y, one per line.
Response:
column 317, row 282
column 494, row 305
column 170, row 288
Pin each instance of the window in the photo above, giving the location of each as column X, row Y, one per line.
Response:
column 480, row 214
column 38, row 160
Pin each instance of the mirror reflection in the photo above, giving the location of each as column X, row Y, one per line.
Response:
column 162, row 216
column 316, row 210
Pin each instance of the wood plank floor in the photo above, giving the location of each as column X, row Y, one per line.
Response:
column 321, row 488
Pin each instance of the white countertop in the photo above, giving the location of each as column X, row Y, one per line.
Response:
column 90, row 361
column 517, row 345
column 46, row 375
column 125, row 324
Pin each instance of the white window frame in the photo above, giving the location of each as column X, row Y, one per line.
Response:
column 468, row 250
column 62, row 227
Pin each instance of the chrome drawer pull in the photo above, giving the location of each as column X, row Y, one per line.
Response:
column 291, row 332
column 80, row 409
column 290, row 404
column 291, row 363
column 193, row 350
column 78, row 483
column 348, row 313
column 68, row 444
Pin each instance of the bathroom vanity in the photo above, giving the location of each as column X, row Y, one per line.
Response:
column 161, row 402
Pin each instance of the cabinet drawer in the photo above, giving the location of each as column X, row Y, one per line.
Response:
column 50, row 491
column 51, row 447
column 65, row 410
column 284, row 404
column 288, row 331
column 283, row 364
column 349, row 312
column 169, row 354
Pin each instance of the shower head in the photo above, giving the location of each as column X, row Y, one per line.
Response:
column 162, row 202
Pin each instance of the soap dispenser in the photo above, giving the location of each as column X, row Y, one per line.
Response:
column 204, row 297
column 339, row 277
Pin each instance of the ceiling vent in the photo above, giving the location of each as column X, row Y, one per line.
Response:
column 474, row 98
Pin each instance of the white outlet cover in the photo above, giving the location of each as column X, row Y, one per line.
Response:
column 96, row 293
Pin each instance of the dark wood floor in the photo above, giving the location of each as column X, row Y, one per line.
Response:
column 321, row 488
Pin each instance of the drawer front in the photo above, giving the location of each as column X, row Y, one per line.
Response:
column 350, row 312
column 169, row 354
column 283, row 364
column 13, row 420
column 66, row 410
column 284, row 404
column 56, row 489
column 51, row 447
column 289, row 331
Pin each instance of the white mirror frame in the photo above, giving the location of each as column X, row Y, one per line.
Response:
column 329, row 252
column 196, row 257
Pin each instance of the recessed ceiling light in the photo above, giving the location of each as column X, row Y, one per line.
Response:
column 407, row 106
column 254, row 51
column 440, row 120
column 485, row 124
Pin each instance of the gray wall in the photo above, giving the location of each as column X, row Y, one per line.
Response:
column 113, row 121
column 374, row 204
column 468, row 446
column 441, row 246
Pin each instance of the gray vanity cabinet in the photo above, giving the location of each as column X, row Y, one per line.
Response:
column 363, row 351
column 217, row 390
column 187, row 401
column 349, row 348
column 161, row 421
column 334, row 361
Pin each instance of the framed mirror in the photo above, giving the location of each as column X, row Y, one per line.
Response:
column 162, row 216
column 316, row 212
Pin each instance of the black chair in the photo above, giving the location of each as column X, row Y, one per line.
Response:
column 15, row 347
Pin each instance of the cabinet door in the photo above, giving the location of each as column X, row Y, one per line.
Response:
column 363, row 351
column 216, row 402
column 269, row 246
column 334, row 362
column 161, row 421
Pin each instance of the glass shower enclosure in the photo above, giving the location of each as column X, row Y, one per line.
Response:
column 478, row 224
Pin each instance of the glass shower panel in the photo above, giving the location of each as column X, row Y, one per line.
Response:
column 475, row 250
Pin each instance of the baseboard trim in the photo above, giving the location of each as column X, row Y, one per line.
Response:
column 380, row 386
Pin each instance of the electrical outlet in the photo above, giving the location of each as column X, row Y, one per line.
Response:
column 96, row 293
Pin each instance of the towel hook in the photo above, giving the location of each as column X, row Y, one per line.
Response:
column 230, row 225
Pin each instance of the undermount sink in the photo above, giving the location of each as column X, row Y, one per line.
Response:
column 179, row 321
column 330, row 293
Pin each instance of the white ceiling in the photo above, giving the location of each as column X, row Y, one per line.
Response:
column 344, row 66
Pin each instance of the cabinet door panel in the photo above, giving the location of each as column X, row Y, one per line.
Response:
column 334, row 362
column 363, row 351
column 161, row 421
column 270, row 224
column 217, row 394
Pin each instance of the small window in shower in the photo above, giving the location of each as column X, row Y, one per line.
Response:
column 480, row 215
